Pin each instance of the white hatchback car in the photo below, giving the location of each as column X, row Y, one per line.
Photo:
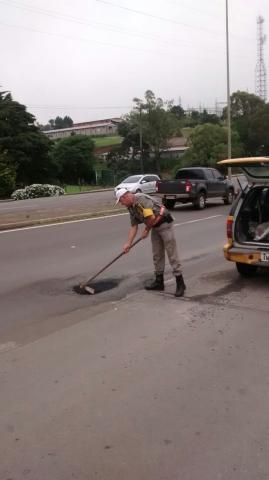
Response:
column 139, row 183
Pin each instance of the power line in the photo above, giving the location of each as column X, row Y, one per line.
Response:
column 157, row 17
column 70, row 37
column 70, row 18
column 164, row 19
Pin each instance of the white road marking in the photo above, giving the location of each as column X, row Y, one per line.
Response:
column 197, row 220
column 61, row 223
column 97, row 218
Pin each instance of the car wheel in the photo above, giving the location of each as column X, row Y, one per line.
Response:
column 168, row 203
column 228, row 200
column 246, row 270
column 200, row 201
column 138, row 191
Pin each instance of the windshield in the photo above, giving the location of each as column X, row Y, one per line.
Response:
column 192, row 174
column 132, row 179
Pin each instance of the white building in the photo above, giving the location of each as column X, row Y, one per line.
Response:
column 99, row 127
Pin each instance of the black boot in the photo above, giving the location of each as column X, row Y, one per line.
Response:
column 180, row 286
column 157, row 284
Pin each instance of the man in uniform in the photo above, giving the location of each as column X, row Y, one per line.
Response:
column 143, row 209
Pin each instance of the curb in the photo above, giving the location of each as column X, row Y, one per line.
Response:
column 63, row 219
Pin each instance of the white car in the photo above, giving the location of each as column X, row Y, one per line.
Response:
column 139, row 183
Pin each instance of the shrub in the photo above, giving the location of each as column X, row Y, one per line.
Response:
column 37, row 190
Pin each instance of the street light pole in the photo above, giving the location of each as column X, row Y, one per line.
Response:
column 141, row 139
column 228, row 91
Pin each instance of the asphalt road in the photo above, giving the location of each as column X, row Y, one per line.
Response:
column 40, row 266
column 129, row 384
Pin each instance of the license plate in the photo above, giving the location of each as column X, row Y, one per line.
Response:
column 264, row 257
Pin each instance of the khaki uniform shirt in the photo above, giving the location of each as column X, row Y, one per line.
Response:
column 143, row 208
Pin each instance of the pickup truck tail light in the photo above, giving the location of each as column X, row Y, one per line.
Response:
column 188, row 187
column 229, row 227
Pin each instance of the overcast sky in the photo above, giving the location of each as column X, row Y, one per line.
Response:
column 89, row 58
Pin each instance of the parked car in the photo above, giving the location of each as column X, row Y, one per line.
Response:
column 248, row 220
column 195, row 184
column 139, row 183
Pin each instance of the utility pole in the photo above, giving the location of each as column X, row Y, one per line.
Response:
column 261, row 79
column 141, row 138
column 139, row 106
column 228, row 92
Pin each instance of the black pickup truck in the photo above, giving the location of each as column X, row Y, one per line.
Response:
column 195, row 184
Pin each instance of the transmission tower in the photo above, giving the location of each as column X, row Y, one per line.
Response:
column 261, row 80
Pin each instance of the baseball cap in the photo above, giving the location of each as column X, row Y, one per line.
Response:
column 119, row 194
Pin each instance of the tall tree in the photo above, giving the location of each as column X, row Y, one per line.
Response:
column 58, row 123
column 208, row 144
column 158, row 123
column 246, row 109
column 74, row 157
column 25, row 146
column 7, row 175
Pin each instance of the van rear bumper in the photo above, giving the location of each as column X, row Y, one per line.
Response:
column 243, row 255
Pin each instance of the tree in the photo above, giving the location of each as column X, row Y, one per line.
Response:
column 59, row 122
column 259, row 132
column 244, row 104
column 129, row 129
column 7, row 175
column 246, row 110
column 158, row 123
column 178, row 111
column 208, row 144
column 74, row 157
column 26, row 148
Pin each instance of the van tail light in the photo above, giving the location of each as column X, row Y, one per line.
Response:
column 229, row 227
column 188, row 187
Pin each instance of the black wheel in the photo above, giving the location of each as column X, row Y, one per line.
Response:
column 168, row 203
column 246, row 270
column 138, row 191
column 200, row 201
column 228, row 200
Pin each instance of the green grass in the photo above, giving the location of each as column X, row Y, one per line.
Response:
column 107, row 141
column 69, row 189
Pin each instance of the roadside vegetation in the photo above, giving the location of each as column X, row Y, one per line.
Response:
column 27, row 156
column 107, row 141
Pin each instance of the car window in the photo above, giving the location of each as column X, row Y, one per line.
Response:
column 190, row 173
column 209, row 174
column 153, row 178
column 261, row 171
column 146, row 179
column 216, row 174
column 132, row 179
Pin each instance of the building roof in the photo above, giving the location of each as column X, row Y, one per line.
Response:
column 85, row 125
column 177, row 142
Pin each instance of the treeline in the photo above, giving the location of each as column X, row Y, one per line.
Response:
column 57, row 123
column 27, row 155
column 156, row 121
